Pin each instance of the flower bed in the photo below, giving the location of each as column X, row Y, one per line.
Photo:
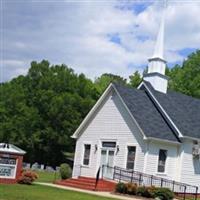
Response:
column 143, row 191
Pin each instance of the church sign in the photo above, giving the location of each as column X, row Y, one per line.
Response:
column 11, row 158
column 7, row 167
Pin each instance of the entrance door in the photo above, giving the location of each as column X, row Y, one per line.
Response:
column 107, row 159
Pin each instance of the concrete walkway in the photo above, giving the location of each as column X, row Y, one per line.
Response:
column 102, row 194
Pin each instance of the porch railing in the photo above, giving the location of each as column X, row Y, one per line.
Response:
column 140, row 178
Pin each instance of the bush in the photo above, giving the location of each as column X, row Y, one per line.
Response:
column 121, row 188
column 146, row 191
column 27, row 177
column 141, row 191
column 150, row 191
column 131, row 188
column 163, row 194
column 65, row 171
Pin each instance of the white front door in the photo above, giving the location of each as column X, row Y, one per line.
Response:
column 107, row 160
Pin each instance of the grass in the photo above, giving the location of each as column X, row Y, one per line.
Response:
column 39, row 192
column 47, row 177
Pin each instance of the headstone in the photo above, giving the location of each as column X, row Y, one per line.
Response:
column 35, row 166
column 26, row 165
column 57, row 169
column 49, row 169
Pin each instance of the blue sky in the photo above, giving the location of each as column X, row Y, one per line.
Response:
column 94, row 37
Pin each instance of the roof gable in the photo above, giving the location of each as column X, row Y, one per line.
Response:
column 96, row 106
column 142, row 110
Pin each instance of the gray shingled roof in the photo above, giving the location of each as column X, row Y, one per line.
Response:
column 182, row 109
column 146, row 113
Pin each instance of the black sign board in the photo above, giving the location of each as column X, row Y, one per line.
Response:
column 8, row 161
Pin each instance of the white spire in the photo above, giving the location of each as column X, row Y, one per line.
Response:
column 157, row 64
column 159, row 48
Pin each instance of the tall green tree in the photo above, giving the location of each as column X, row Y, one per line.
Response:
column 135, row 79
column 185, row 78
column 39, row 112
column 104, row 80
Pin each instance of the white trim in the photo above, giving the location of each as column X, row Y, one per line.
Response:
column 146, row 156
column 180, row 134
column 82, row 160
column 139, row 86
column 163, row 141
column 179, row 162
column 126, row 150
column 166, row 163
column 15, row 170
column 76, row 133
column 190, row 138
column 108, row 140
column 109, row 148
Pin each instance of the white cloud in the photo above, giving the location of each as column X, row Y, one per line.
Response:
column 78, row 34
column 12, row 68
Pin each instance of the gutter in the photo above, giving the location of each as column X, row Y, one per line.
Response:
column 163, row 141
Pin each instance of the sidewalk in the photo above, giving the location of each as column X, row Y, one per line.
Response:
column 102, row 194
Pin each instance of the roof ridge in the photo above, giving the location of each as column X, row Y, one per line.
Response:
column 162, row 111
column 163, row 116
column 127, row 87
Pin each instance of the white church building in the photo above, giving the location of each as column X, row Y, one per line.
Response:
column 150, row 129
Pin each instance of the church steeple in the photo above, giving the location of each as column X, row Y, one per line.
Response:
column 159, row 48
column 157, row 64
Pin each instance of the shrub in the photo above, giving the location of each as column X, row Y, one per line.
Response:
column 150, row 191
column 131, row 188
column 146, row 191
column 27, row 177
column 163, row 194
column 65, row 171
column 141, row 190
column 121, row 188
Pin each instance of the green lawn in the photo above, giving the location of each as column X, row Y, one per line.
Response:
column 39, row 192
column 47, row 177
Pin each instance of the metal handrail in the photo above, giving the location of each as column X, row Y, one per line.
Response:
column 140, row 178
column 97, row 177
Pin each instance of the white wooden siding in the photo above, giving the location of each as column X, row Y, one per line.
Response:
column 112, row 122
column 190, row 167
column 151, row 165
